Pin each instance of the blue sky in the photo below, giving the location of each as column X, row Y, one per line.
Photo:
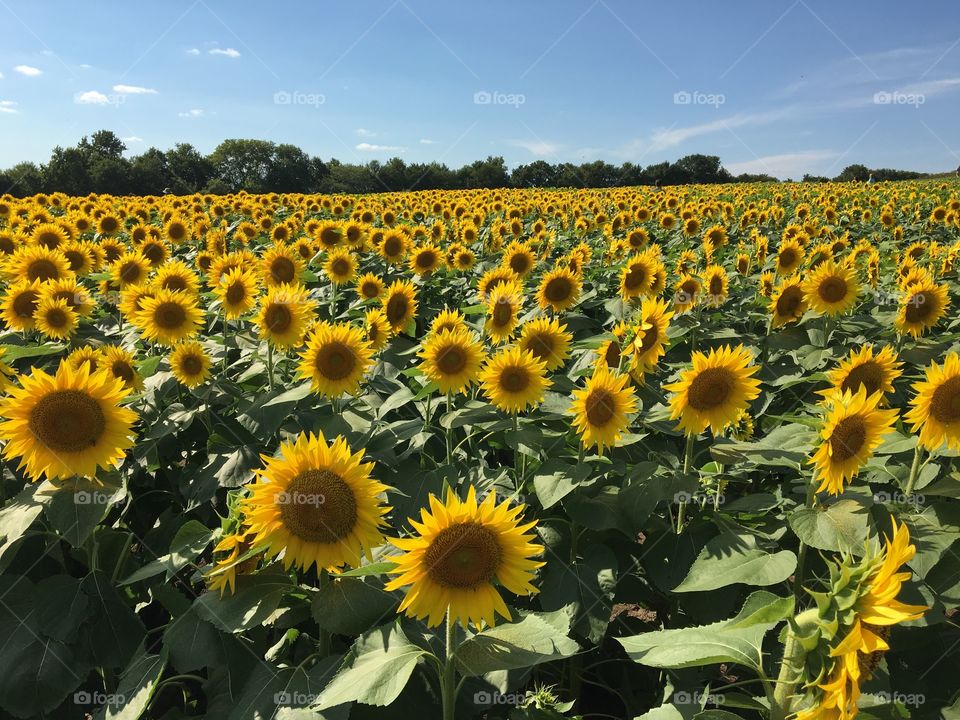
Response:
column 783, row 87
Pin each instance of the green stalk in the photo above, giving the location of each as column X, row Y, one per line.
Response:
column 687, row 460
column 448, row 678
column 270, row 364
column 791, row 668
column 802, row 553
column 448, row 430
column 914, row 469
column 324, row 641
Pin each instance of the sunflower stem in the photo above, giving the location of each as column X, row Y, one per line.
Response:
column 517, row 455
column 802, row 553
column 687, row 460
column 448, row 430
column 914, row 469
column 333, row 301
column 270, row 364
column 448, row 679
column 791, row 670
column 324, row 640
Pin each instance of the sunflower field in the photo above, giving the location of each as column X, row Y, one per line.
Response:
column 669, row 454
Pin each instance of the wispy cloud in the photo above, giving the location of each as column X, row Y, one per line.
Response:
column 9, row 107
column 671, row 137
column 370, row 147
column 364, row 133
column 793, row 165
column 132, row 139
column 133, row 90
column 194, row 113
column 193, row 51
column 226, row 52
column 91, row 97
column 540, row 148
column 1, row 76
column 426, row 141
column 28, row 70
column 85, row 66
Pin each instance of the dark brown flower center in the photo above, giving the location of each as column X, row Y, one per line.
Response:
column 847, row 438
column 601, row 406
column 945, row 402
column 868, row 375
column 335, row 361
column 710, row 388
column 67, row 421
column 318, row 506
column 278, row 318
column 558, row 289
column 833, row 289
column 463, row 556
column 283, row 270
column 170, row 315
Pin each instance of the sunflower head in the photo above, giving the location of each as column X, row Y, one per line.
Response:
column 452, row 359
column 601, row 408
column 190, row 363
column 335, row 359
column 935, row 410
column 514, row 380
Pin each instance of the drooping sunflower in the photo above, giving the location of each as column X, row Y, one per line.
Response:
column 873, row 371
column 460, row 551
column 637, row 275
column 66, row 424
column 335, row 359
column 237, row 291
column 168, row 317
column 284, row 314
column 55, row 319
column 503, row 311
column 317, row 504
column 601, row 408
column 369, row 286
column 20, row 303
column 853, row 427
column 399, row 304
column 832, row 288
column 376, row 329
column 714, row 390
column 559, row 289
column 935, row 410
column 922, row 306
column 340, row 266
column 547, row 340
column 452, row 359
column 788, row 302
column 190, row 363
column 514, row 380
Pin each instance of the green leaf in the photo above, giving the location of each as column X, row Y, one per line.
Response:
column 729, row 559
column 137, row 685
column 537, row 638
column 61, row 607
column 377, row 568
column 255, row 599
column 18, row 352
column 77, row 507
column 115, row 631
column 786, row 446
column 841, row 527
column 555, row 479
column 349, row 606
column 375, row 670
column 17, row 517
column 191, row 539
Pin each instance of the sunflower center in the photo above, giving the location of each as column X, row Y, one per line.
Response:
column 451, row 361
column 67, row 421
column 710, row 388
column 335, row 361
column 370, row 290
column 541, row 346
column 318, row 506
column 463, row 556
column 716, row 286
column 43, row 270
column 502, row 314
column 788, row 258
column 601, row 407
column 236, row 293
column 650, row 337
column 833, row 289
column 868, row 375
column 397, row 309
column 56, row 318
column 945, row 403
column 25, row 304
column 558, row 289
column 152, row 252
column 122, row 370
column 340, row 267
column 174, row 282
column 919, row 307
column 283, row 270
column 75, row 258
column 635, row 277
column 789, row 301
column 847, row 438
column 130, row 272
column 612, row 354
column 191, row 365
column 519, row 263
column 170, row 315
column 514, row 379
column 392, row 247
column 278, row 318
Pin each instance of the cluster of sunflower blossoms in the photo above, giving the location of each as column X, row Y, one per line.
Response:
column 835, row 647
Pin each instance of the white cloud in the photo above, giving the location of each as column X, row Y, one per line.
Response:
column 193, row 51
column 85, row 66
column 28, row 70
column 670, row 137
column 1, row 76
column 132, row 139
column 364, row 133
column 228, row 52
column 91, row 97
column 426, row 141
column 793, row 165
column 133, row 90
column 196, row 112
column 9, row 107
column 536, row 147
column 368, row 147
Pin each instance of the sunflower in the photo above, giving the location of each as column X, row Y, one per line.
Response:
column 788, row 302
column 514, row 380
column 547, row 340
column 518, row 258
column 190, row 363
column 425, row 259
column 789, row 257
column 714, row 391
column 49, row 236
column 921, row 307
column 376, row 329
column 559, row 289
column 237, row 291
column 55, row 319
column 177, row 275
column 686, row 292
column 66, row 424
column 461, row 549
column 369, row 286
column 340, row 266
column 637, row 275
column 935, row 411
column 717, row 285
column 20, row 304
column 223, row 574
column 68, row 289
column 281, row 265
column 399, row 304
column 452, row 359
column 36, row 262
column 503, row 311
column 873, row 371
column 601, row 408
column 131, row 268
column 832, row 288
column 317, row 504
column 852, row 429
column 284, row 314
column 85, row 356
column 393, row 247
column 447, row 319
column 650, row 341
column 80, row 257
column 766, row 284
column 491, row 279
column 119, row 362
column 335, row 359
column 168, row 317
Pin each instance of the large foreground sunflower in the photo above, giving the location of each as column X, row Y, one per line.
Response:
column 66, row 424
column 317, row 504
column 601, row 408
column 460, row 550
column 935, row 411
column 714, row 391
column 335, row 359
column 853, row 428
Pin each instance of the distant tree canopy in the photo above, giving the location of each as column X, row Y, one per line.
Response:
column 97, row 164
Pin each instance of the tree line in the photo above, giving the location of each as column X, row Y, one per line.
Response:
column 97, row 164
